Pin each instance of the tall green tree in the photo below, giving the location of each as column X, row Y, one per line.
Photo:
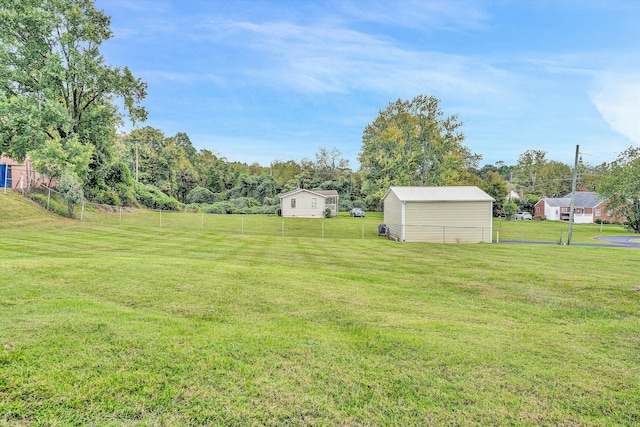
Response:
column 58, row 155
column 494, row 185
column 555, row 179
column 528, row 170
column 413, row 143
column 330, row 165
column 621, row 184
column 55, row 84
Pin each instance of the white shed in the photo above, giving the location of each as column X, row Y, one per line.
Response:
column 461, row 214
column 303, row 203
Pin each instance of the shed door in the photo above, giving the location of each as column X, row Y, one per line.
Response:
column 5, row 172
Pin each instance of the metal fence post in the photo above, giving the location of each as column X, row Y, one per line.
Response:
column 82, row 212
column 160, row 218
column 282, row 226
column 120, row 221
column 48, row 197
column 6, row 177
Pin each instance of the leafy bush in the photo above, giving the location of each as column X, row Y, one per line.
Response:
column 54, row 205
column 126, row 194
column 220, row 208
column 201, row 195
column 230, row 208
column 345, row 205
column 261, row 210
column 107, row 197
column 271, row 201
column 70, row 188
column 244, row 202
column 509, row 208
column 193, row 207
column 153, row 198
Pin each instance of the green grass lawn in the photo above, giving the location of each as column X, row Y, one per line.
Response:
column 553, row 231
column 107, row 324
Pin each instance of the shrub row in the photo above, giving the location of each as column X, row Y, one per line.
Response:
column 231, row 208
column 54, row 206
column 153, row 198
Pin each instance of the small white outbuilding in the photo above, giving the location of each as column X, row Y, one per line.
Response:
column 461, row 214
column 303, row 203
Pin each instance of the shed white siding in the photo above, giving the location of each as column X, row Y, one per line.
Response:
column 448, row 222
column 393, row 216
column 439, row 214
column 303, row 205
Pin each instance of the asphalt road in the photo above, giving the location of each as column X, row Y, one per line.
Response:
column 612, row 242
column 628, row 241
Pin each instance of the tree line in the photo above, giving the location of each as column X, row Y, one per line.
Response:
column 61, row 105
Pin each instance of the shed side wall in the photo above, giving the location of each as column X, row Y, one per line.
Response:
column 303, row 207
column 448, row 222
column 393, row 215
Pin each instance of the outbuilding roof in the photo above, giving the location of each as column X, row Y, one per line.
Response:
column 303, row 190
column 440, row 194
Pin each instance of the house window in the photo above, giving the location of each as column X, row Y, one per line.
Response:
column 578, row 211
column 565, row 210
column 609, row 213
column 537, row 209
column 293, row 203
column 597, row 212
column 313, row 203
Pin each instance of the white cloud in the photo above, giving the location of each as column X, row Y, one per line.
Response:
column 617, row 98
column 325, row 58
column 422, row 14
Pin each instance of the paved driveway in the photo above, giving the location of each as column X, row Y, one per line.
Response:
column 612, row 242
column 628, row 241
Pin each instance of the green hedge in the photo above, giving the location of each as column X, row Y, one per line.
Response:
column 153, row 198
column 54, row 206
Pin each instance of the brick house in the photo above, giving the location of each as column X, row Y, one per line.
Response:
column 588, row 208
column 17, row 175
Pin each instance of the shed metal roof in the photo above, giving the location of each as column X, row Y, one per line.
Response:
column 304, row 190
column 440, row 194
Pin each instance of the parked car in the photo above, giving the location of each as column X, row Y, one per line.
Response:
column 356, row 212
column 522, row 215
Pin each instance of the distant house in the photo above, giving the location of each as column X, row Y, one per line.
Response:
column 588, row 208
column 17, row 175
column 438, row 214
column 514, row 195
column 302, row 203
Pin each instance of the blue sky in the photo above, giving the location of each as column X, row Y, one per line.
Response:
column 255, row 81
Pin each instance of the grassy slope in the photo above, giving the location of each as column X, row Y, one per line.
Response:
column 116, row 325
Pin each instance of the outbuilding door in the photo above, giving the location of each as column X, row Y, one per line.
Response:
column 5, row 176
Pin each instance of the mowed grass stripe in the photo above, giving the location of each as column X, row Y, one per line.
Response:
column 130, row 326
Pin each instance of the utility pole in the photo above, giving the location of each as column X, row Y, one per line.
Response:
column 573, row 196
column 136, row 161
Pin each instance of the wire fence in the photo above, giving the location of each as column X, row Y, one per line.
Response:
column 230, row 224
column 342, row 227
